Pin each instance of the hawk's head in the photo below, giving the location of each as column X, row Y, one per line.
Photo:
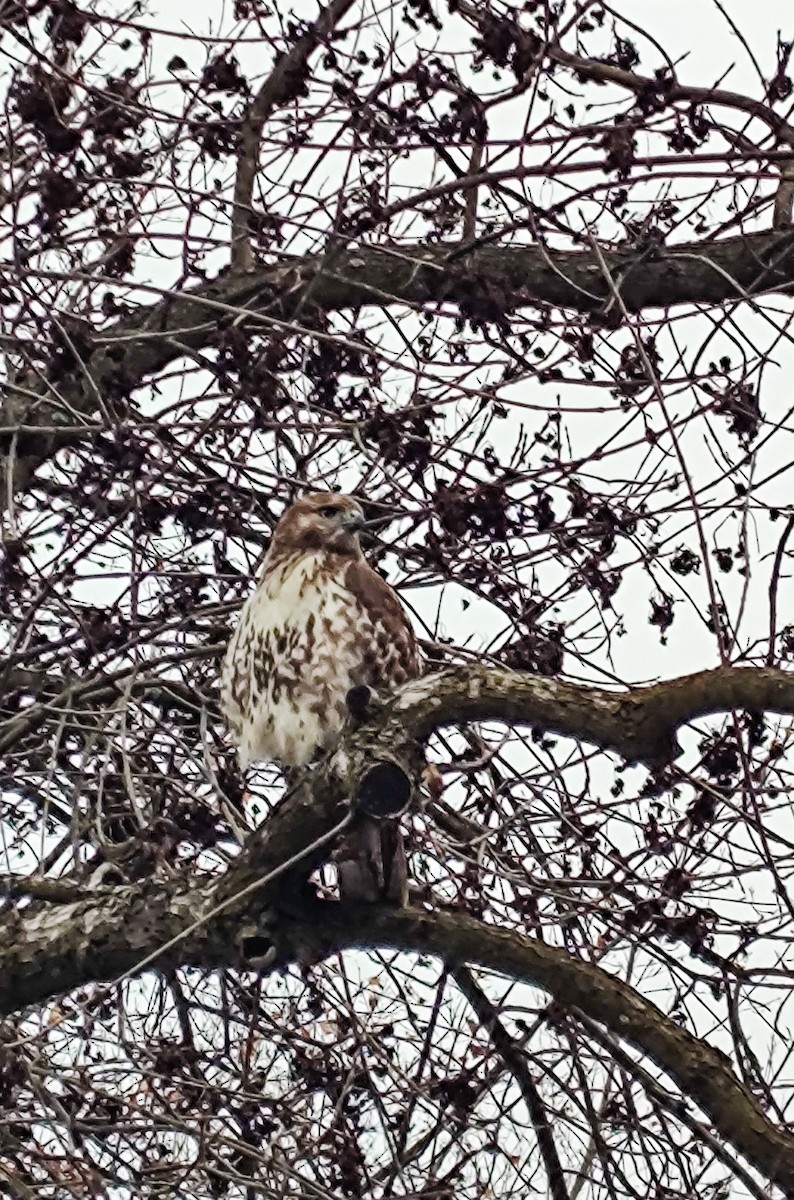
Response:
column 320, row 521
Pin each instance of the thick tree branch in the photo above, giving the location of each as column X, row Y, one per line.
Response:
column 50, row 948
column 54, row 945
column 96, row 939
column 639, row 724
column 38, row 415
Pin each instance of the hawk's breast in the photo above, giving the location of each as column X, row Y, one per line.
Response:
column 303, row 640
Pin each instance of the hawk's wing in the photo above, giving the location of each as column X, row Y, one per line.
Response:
column 371, row 859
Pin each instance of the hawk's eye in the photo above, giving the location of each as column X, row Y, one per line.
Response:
column 330, row 510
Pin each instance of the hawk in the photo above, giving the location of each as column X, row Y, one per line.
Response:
column 319, row 622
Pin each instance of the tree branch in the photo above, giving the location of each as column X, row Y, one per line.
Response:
column 665, row 90
column 702, row 1072
column 50, row 948
column 38, row 415
column 669, row 1101
column 286, row 82
column 515, row 1060
column 97, row 939
column 668, row 89
column 639, row 724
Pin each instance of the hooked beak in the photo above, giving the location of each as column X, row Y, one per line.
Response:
column 352, row 522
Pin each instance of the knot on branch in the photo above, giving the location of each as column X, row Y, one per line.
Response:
column 384, row 789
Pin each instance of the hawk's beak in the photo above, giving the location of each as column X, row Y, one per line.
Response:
column 352, row 522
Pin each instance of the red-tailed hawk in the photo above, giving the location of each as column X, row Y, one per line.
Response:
column 319, row 622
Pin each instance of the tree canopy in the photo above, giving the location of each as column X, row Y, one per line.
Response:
column 519, row 276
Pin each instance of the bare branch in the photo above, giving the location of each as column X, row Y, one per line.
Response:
column 664, row 86
column 515, row 1060
column 639, row 724
column 525, row 276
column 672, row 91
column 285, row 83
column 49, row 948
column 784, row 198
column 667, row 90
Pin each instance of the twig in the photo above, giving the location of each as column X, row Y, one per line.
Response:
column 773, row 588
column 784, row 198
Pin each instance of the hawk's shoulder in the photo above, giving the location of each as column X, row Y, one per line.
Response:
column 373, row 592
